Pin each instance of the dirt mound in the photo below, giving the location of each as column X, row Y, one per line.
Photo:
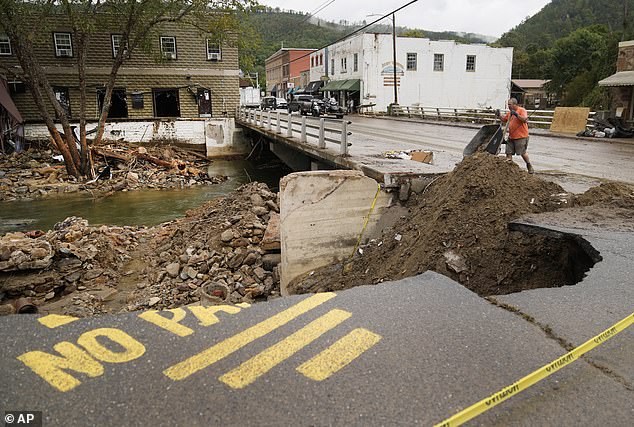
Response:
column 610, row 193
column 459, row 227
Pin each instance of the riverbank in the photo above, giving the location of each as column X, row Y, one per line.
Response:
column 82, row 270
column 35, row 174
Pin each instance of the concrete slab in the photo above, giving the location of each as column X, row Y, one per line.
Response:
column 440, row 349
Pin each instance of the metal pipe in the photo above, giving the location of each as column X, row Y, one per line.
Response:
column 24, row 306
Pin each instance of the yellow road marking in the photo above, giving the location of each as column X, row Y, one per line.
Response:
column 221, row 350
column 259, row 365
column 55, row 320
column 132, row 349
column 338, row 355
column 172, row 324
column 207, row 315
column 51, row 368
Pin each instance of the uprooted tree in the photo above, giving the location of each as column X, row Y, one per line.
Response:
column 24, row 21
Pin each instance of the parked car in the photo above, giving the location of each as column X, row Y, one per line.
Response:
column 268, row 103
column 305, row 104
column 281, row 103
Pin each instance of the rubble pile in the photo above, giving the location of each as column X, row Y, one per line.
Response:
column 34, row 173
column 218, row 245
column 217, row 253
column 71, row 262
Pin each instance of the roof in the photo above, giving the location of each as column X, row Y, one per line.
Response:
column 622, row 78
column 287, row 49
column 530, row 83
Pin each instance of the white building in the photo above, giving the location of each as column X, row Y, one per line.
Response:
column 428, row 73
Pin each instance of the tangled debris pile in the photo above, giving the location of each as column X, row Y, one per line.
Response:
column 34, row 174
column 80, row 270
column 459, row 228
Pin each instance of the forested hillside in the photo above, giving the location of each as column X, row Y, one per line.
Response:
column 573, row 43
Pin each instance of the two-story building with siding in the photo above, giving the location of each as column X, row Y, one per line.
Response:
column 428, row 73
column 185, row 76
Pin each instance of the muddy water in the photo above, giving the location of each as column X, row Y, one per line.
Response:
column 145, row 207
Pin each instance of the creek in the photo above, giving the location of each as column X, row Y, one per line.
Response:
column 143, row 207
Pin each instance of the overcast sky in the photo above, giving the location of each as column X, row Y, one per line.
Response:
column 489, row 17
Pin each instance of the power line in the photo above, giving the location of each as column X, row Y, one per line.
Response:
column 357, row 30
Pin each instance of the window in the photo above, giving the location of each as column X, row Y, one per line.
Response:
column 166, row 103
column 439, row 62
column 214, row 52
column 116, row 43
column 321, row 59
column 63, row 45
column 344, row 65
column 471, row 61
column 168, row 47
column 332, row 66
column 411, row 61
column 5, row 45
column 312, row 61
column 355, row 62
column 61, row 94
column 118, row 103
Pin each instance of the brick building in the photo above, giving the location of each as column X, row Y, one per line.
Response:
column 184, row 74
column 621, row 83
column 284, row 70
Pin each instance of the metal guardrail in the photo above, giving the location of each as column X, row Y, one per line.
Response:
column 293, row 125
column 536, row 118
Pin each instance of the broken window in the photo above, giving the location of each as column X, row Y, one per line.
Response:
column 61, row 94
column 203, row 97
column 63, row 44
column 471, row 62
column 213, row 51
column 117, row 39
column 166, row 103
column 5, row 45
column 168, row 47
column 439, row 62
column 118, row 103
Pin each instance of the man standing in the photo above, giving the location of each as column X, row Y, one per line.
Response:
column 518, row 132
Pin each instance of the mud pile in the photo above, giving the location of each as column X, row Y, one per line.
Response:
column 459, row 227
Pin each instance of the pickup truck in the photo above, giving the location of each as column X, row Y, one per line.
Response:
column 305, row 104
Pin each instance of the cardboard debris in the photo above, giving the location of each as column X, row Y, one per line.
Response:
column 416, row 155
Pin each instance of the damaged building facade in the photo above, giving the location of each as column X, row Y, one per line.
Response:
column 621, row 83
column 185, row 87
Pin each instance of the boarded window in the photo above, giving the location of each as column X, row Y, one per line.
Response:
column 5, row 45
column 471, row 63
column 118, row 103
column 439, row 62
column 168, row 47
column 412, row 61
column 63, row 44
column 166, row 103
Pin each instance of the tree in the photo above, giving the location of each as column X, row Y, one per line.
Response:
column 136, row 21
column 419, row 34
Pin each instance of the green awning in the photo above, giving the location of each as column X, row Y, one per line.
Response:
column 345, row 85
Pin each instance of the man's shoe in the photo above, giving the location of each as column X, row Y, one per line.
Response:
column 530, row 168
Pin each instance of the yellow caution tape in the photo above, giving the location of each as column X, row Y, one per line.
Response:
column 365, row 224
column 536, row 376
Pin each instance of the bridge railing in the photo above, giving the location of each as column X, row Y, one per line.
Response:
column 536, row 118
column 293, row 125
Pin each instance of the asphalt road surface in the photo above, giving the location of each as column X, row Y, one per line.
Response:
column 597, row 158
column 410, row 352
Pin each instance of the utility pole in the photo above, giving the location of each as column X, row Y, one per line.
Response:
column 394, row 57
